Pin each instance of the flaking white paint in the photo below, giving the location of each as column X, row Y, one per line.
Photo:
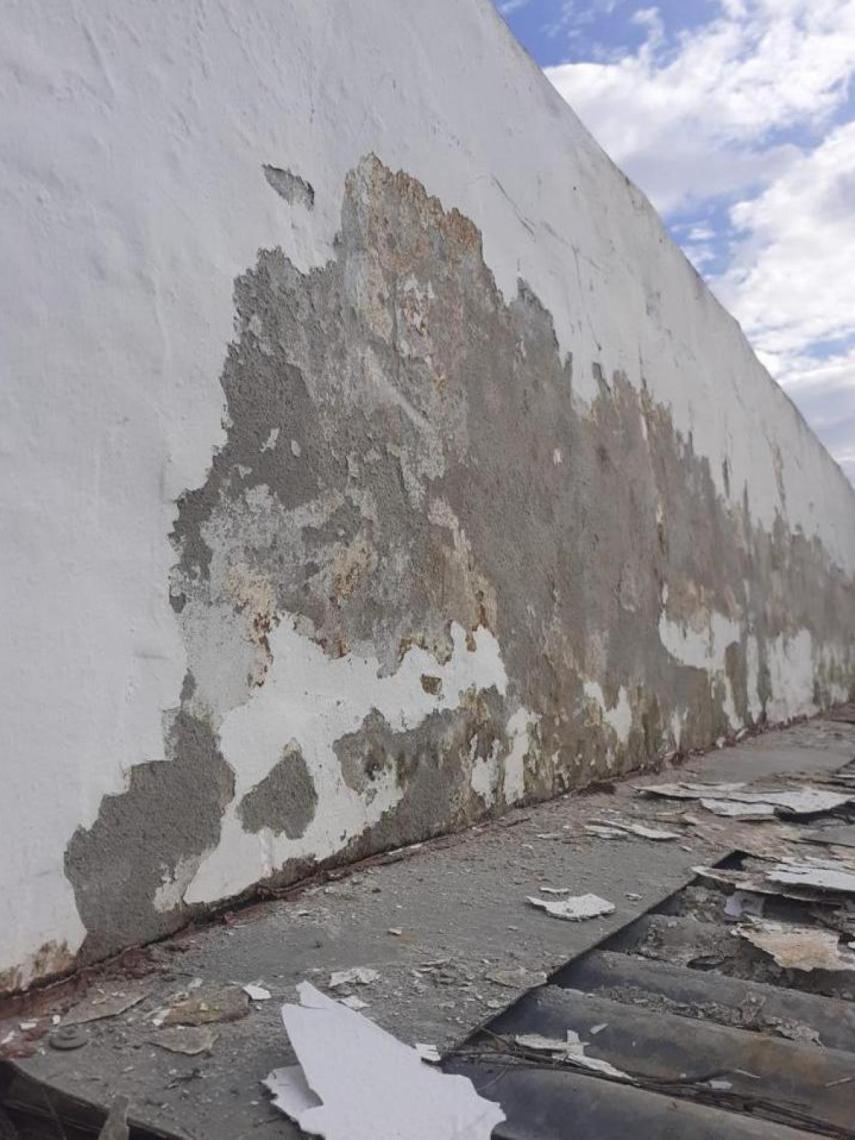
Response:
column 618, row 717
column 317, row 700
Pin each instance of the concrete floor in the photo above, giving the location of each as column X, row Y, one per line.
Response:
column 439, row 923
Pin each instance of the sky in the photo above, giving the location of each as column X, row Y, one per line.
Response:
column 737, row 119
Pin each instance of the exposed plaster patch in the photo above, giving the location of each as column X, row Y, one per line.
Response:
column 294, row 189
column 321, row 700
column 285, row 801
column 617, row 716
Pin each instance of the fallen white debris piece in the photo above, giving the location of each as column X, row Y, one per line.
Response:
column 357, row 976
column 188, row 1039
column 571, row 1050
column 257, row 992
column 805, row 801
column 800, row 801
column 576, row 908
column 651, row 832
column 353, row 1002
column 357, row 1082
column 555, row 890
column 427, row 1053
column 601, row 831
column 798, row 947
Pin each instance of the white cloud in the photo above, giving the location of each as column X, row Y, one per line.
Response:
column 790, row 283
column 791, row 279
column 745, row 105
column 696, row 116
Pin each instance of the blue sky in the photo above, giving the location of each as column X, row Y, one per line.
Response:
column 737, row 119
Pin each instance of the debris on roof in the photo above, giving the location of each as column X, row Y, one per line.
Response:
column 357, row 976
column 257, row 992
column 576, row 908
column 732, row 801
column 191, row 1040
column 571, row 1051
column 798, row 947
column 354, row 1081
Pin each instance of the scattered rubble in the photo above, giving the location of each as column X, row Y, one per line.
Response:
column 257, row 992
column 357, row 976
column 576, row 908
column 101, row 1003
column 652, row 832
column 603, row 831
column 822, row 875
column 217, row 1003
column 357, row 1082
column 798, row 947
column 190, row 1040
column 571, row 1051
column 353, row 1002
column 518, row 978
column 732, row 801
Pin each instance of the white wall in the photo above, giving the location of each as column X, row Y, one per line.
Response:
column 132, row 139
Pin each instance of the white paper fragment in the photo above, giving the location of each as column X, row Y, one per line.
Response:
column 353, row 1002
column 595, row 1029
column 576, row 908
column 257, row 992
column 359, row 1083
column 555, row 890
column 427, row 1053
column 358, row 976
column 718, row 1085
column 652, row 832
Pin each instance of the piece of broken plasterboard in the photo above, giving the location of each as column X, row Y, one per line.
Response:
column 822, row 875
column 576, row 908
column 732, row 801
column 798, row 947
column 354, row 1081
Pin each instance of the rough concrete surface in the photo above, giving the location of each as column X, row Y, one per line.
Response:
column 446, row 926
column 375, row 464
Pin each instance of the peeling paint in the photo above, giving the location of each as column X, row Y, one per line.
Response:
column 415, row 613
